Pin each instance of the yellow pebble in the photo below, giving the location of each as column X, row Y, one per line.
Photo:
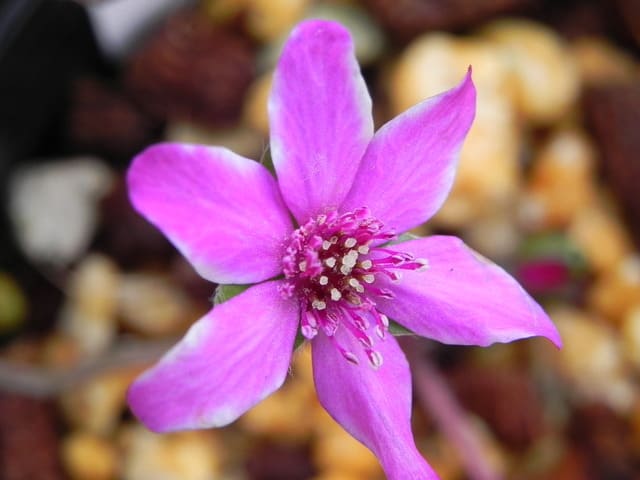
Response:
column 544, row 73
column 631, row 335
column 194, row 455
column 288, row 414
column 601, row 63
column 97, row 405
column 562, row 180
column 598, row 232
column 88, row 317
column 615, row 292
column 153, row 305
column 269, row 19
column 488, row 174
column 255, row 106
column 335, row 450
column 591, row 358
column 89, row 457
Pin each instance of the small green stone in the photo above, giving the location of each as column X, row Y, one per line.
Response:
column 13, row 305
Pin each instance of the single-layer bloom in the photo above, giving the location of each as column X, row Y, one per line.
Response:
column 316, row 243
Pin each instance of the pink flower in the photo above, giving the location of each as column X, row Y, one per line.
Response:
column 314, row 241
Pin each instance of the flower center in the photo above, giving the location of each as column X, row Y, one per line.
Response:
column 331, row 264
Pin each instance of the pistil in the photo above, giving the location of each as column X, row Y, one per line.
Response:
column 331, row 264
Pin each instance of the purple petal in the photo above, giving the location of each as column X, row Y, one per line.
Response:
column 462, row 298
column 409, row 167
column 231, row 359
column 320, row 118
column 372, row 405
column 222, row 211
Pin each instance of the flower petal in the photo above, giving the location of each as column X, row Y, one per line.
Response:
column 409, row 166
column 462, row 298
column 320, row 117
column 222, row 211
column 372, row 405
column 231, row 359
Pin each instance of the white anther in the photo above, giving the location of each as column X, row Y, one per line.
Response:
column 311, row 320
column 323, row 280
column 326, row 245
column 368, row 278
column 335, row 294
column 363, row 249
column 350, row 357
column 308, row 331
column 350, row 259
column 334, row 239
column 375, row 358
column 302, row 265
column 366, row 264
column 350, row 242
column 354, row 299
column 330, row 262
column 345, row 269
column 385, row 320
column 354, row 283
column 319, row 304
column 424, row 264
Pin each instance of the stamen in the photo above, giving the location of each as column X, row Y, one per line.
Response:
column 350, row 357
column 354, row 283
column 366, row 264
column 309, row 325
column 319, row 304
column 308, row 331
column 311, row 319
column 382, row 292
column 424, row 264
column 375, row 358
column 323, row 266
column 350, row 259
column 353, row 299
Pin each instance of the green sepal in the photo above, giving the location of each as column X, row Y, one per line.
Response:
column 267, row 161
column 398, row 330
column 405, row 237
column 227, row 292
column 300, row 339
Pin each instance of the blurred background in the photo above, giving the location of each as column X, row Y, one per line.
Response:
column 548, row 186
